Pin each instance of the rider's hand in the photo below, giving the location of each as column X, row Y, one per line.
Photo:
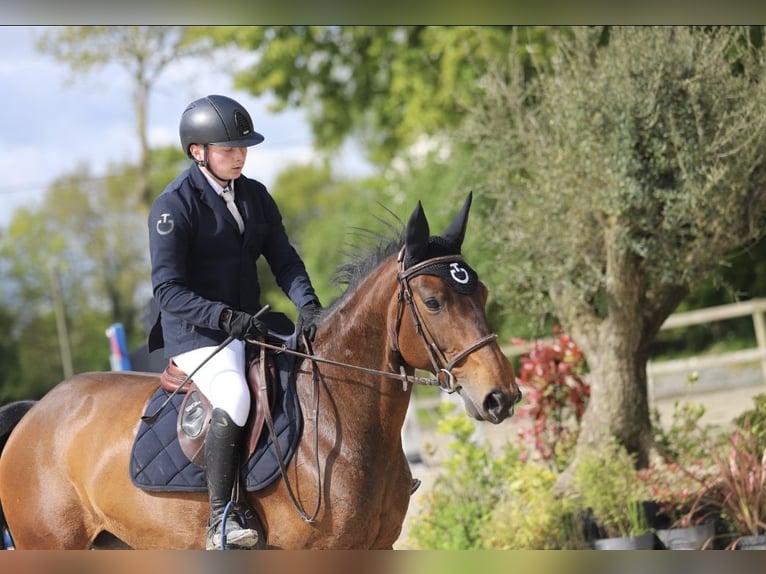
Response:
column 242, row 325
column 308, row 319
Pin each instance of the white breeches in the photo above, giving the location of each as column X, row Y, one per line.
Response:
column 221, row 379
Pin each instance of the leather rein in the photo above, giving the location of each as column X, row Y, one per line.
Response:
column 442, row 367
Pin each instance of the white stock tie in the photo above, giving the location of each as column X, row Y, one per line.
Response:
column 228, row 196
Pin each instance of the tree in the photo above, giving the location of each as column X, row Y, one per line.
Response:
column 144, row 51
column 618, row 181
column 89, row 235
column 321, row 212
column 388, row 85
column 9, row 355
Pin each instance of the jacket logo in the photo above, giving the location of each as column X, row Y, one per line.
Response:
column 165, row 224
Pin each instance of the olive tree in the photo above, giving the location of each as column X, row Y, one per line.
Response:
column 620, row 177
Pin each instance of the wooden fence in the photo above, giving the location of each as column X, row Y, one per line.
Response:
column 698, row 364
column 757, row 354
column 684, row 367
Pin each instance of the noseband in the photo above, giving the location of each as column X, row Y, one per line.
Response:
column 442, row 367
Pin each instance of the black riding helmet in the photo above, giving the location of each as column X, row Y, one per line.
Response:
column 217, row 120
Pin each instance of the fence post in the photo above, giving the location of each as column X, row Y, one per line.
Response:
column 760, row 337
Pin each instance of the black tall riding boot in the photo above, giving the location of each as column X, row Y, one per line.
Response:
column 221, row 450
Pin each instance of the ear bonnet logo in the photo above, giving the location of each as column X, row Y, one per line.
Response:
column 457, row 274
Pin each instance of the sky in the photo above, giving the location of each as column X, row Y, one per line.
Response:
column 51, row 121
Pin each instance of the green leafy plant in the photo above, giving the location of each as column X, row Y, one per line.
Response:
column 685, row 439
column 460, row 503
column 555, row 397
column 530, row 517
column 608, row 484
column 755, row 420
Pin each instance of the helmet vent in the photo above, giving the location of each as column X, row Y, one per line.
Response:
column 242, row 123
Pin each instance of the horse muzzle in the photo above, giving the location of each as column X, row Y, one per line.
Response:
column 495, row 407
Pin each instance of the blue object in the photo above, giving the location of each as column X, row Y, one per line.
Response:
column 7, row 540
column 119, row 357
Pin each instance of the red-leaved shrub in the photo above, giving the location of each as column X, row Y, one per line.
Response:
column 555, row 396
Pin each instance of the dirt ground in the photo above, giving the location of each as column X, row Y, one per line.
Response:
column 425, row 448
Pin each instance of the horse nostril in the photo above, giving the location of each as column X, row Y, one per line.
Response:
column 497, row 402
column 517, row 398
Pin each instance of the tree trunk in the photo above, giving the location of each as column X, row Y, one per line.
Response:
column 616, row 348
column 619, row 405
column 141, row 102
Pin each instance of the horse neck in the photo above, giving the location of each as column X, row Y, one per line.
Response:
column 361, row 327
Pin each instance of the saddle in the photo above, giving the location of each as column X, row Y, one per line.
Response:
column 194, row 415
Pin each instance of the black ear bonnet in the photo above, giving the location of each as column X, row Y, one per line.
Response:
column 457, row 274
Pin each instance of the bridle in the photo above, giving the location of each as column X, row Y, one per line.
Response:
column 442, row 367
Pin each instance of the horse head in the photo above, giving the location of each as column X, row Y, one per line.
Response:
column 446, row 331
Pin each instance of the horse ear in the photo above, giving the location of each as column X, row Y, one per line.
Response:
column 455, row 233
column 416, row 236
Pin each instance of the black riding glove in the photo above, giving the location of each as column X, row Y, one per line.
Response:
column 242, row 325
column 308, row 318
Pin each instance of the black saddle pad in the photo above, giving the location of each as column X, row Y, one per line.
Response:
column 157, row 462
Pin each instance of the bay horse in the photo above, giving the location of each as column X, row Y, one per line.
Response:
column 412, row 304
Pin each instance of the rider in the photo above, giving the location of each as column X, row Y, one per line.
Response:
column 203, row 259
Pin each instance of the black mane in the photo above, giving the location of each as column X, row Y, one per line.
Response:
column 363, row 258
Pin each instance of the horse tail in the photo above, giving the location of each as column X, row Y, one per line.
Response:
column 10, row 415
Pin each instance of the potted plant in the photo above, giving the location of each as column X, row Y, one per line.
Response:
column 608, row 485
column 680, row 523
column 736, row 490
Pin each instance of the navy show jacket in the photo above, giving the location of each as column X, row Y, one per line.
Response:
column 201, row 264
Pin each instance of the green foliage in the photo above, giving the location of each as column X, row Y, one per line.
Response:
column 607, row 482
column 9, row 357
column 743, row 278
column 754, row 420
column 484, row 501
column 90, row 235
column 459, row 506
column 143, row 50
column 621, row 177
column 530, row 516
column 647, row 151
column 684, row 439
column 323, row 214
column 388, row 84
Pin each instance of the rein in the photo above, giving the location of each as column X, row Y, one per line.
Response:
column 438, row 359
column 402, row 376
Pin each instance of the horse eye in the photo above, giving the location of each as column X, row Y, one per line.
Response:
column 432, row 303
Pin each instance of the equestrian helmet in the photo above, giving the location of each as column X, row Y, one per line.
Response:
column 217, row 120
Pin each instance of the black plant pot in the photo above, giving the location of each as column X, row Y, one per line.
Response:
column 641, row 542
column 698, row 537
column 751, row 542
